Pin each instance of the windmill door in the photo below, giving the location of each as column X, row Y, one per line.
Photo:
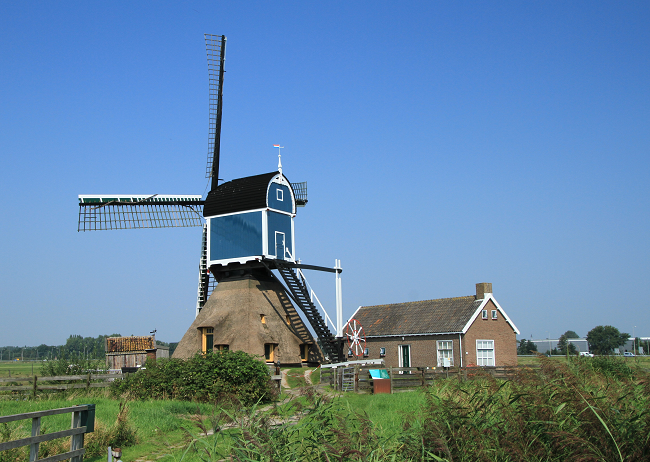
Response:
column 280, row 249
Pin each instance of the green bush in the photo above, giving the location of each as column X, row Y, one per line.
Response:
column 72, row 365
column 204, row 378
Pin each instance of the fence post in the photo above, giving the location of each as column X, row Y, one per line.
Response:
column 88, row 381
column 35, row 386
column 36, row 431
column 76, row 441
column 391, row 380
column 356, row 378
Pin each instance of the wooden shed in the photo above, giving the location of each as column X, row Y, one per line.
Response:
column 132, row 351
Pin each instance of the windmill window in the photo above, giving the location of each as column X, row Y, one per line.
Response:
column 269, row 352
column 304, row 352
column 494, row 314
column 279, row 194
column 366, row 352
column 288, row 320
column 207, row 339
column 484, row 314
column 263, row 318
column 382, row 352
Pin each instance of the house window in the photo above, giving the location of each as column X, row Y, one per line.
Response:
column 366, row 352
column 404, row 355
column 445, row 353
column 485, row 352
column 304, row 352
column 279, row 194
column 494, row 314
column 207, row 339
column 263, row 318
column 269, row 352
column 382, row 352
column 484, row 314
column 221, row 348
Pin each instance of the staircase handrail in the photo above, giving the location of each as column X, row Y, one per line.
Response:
column 314, row 296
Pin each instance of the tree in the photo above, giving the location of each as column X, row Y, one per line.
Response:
column 603, row 339
column 526, row 347
column 563, row 343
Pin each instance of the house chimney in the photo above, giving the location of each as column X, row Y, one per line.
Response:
column 483, row 288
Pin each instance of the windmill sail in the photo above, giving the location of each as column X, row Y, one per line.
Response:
column 215, row 46
column 104, row 212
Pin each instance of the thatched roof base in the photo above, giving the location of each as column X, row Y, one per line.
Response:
column 236, row 310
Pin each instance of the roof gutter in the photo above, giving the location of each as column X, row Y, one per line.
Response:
column 411, row 335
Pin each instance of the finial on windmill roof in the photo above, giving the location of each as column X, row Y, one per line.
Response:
column 279, row 157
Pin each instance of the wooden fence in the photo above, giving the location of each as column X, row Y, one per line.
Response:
column 407, row 378
column 83, row 421
column 37, row 384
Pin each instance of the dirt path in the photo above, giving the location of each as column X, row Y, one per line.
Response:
column 308, row 377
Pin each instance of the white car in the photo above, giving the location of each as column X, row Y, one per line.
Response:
column 587, row 354
column 629, row 354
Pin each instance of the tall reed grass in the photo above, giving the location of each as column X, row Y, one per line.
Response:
column 581, row 411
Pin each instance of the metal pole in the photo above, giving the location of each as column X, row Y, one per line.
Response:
column 339, row 300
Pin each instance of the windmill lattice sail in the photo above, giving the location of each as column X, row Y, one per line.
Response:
column 97, row 212
column 215, row 46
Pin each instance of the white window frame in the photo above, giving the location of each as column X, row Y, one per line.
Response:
column 279, row 194
column 494, row 314
column 441, row 347
column 484, row 314
column 485, row 358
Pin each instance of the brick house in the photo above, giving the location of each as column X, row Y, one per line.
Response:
column 447, row 332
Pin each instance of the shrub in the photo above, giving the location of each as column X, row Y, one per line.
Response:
column 203, row 378
column 72, row 365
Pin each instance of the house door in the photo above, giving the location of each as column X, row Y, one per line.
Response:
column 405, row 355
column 279, row 245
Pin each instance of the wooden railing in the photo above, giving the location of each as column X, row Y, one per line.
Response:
column 405, row 378
column 83, row 421
column 37, row 384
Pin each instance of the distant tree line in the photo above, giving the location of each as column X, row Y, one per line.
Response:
column 602, row 341
column 75, row 346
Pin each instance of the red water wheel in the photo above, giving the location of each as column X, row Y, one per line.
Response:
column 356, row 337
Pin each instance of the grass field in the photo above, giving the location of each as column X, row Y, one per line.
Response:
column 20, row 368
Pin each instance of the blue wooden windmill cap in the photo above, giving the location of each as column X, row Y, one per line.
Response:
column 268, row 190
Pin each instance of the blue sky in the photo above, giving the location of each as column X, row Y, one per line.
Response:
column 444, row 144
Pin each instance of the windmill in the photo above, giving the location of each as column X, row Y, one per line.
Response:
column 247, row 232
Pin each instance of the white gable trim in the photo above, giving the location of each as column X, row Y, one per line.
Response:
column 352, row 317
column 487, row 298
column 282, row 180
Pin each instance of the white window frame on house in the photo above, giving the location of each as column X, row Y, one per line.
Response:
column 279, row 195
column 445, row 350
column 494, row 314
column 484, row 314
column 382, row 352
column 485, row 353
